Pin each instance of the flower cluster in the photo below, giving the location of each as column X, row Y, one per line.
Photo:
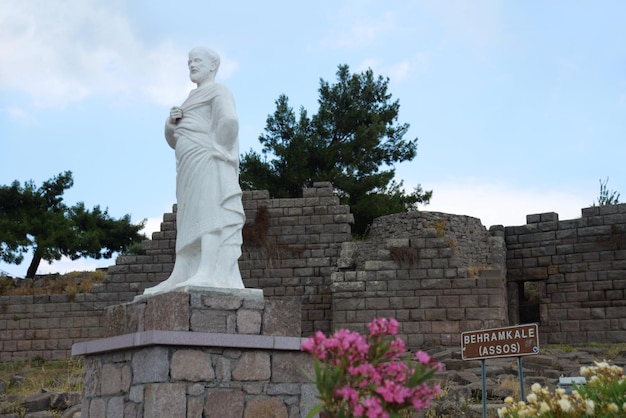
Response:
column 604, row 395
column 370, row 376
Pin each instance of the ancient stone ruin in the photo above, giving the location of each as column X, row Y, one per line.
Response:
column 438, row 274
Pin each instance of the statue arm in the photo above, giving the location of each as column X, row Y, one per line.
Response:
column 169, row 133
column 227, row 131
column 176, row 113
column 228, row 123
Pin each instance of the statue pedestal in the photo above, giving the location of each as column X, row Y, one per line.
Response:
column 199, row 352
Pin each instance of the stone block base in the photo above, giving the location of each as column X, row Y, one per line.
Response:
column 188, row 354
column 230, row 311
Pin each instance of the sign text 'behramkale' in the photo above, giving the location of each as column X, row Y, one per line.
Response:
column 519, row 340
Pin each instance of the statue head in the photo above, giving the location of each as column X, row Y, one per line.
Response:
column 203, row 65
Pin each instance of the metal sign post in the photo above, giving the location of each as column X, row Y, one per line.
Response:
column 484, row 377
column 515, row 341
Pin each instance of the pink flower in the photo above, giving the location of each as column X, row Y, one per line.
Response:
column 422, row 357
column 370, row 376
column 396, row 347
column 349, row 394
column 392, row 392
column 315, row 345
column 374, row 409
column 383, row 326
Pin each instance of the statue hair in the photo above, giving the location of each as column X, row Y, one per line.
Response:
column 210, row 54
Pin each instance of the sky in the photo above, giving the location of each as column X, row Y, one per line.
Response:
column 518, row 106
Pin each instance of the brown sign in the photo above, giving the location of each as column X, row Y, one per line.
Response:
column 519, row 340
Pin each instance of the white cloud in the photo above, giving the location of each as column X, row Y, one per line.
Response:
column 399, row 71
column 353, row 31
column 151, row 225
column 65, row 265
column 478, row 24
column 498, row 203
column 167, row 83
column 17, row 113
column 395, row 72
column 62, row 52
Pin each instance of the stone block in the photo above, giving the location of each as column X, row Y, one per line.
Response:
column 248, row 321
column 111, row 383
column 37, row 402
column 115, row 407
column 191, row 366
column 283, row 317
column 150, row 365
column 223, row 302
column 115, row 320
column 456, row 314
column 135, row 393
column 308, row 399
column 347, row 287
column 448, row 301
column 222, row 369
column 135, row 317
column 578, row 313
column 483, row 313
column 435, row 314
column 165, row 400
column 445, row 327
column 224, row 403
column 252, row 366
column 169, row 311
column 209, row 321
column 92, row 377
column 265, row 407
column 195, row 406
column 292, row 368
column 97, row 408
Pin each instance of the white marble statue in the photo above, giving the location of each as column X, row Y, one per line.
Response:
column 203, row 132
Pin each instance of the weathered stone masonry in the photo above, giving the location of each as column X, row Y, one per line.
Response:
column 439, row 274
column 579, row 269
column 295, row 257
column 207, row 354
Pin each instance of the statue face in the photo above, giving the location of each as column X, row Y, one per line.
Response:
column 200, row 67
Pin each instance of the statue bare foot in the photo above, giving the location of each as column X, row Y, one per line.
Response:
column 165, row 286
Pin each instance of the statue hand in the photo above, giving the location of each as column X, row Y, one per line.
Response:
column 176, row 113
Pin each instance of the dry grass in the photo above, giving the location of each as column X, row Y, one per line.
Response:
column 513, row 384
column 255, row 236
column 404, row 256
column 23, row 378
column 473, row 272
column 440, row 227
column 69, row 284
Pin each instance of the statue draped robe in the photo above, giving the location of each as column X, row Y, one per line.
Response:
column 208, row 194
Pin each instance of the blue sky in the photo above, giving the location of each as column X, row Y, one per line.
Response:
column 519, row 106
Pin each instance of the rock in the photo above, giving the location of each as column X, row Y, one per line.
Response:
column 65, row 400
column 500, row 392
column 265, row 408
column 73, row 412
column 464, row 378
column 490, row 371
column 38, row 402
column 39, row 414
column 460, row 381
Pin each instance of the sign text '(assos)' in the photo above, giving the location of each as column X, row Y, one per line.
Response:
column 519, row 340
